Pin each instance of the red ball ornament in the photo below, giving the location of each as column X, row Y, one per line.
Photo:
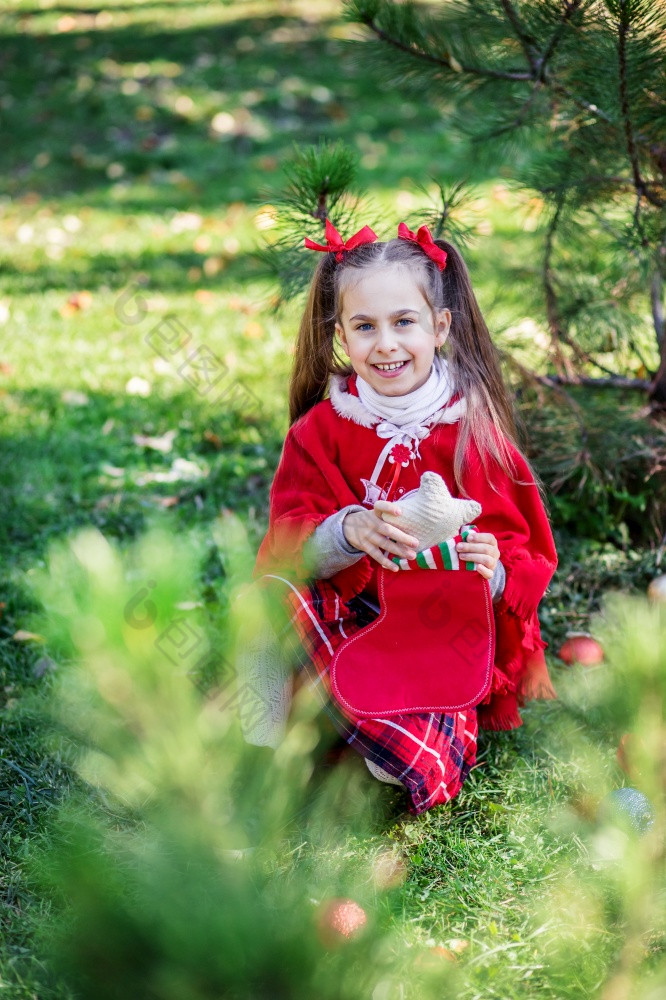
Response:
column 338, row 920
column 580, row 647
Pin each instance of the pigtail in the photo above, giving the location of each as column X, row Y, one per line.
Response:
column 314, row 354
column 476, row 371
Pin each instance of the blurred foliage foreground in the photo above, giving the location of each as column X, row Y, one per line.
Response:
column 186, row 864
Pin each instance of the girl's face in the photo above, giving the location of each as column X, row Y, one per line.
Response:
column 387, row 330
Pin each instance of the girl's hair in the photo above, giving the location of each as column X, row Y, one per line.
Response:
column 472, row 357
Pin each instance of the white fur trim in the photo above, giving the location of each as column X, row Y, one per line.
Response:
column 349, row 406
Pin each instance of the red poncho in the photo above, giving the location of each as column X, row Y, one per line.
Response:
column 326, row 463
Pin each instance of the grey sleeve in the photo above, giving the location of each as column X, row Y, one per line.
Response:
column 497, row 581
column 327, row 551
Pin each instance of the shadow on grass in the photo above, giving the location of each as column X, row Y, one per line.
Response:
column 167, row 272
column 78, row 465
column 271, row 75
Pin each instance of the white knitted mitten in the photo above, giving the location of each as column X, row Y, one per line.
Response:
column 431, row 514
column 265, row 688
column 380, row 773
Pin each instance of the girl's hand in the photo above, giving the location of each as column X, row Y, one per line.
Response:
column 366, row 530
column 482, row 549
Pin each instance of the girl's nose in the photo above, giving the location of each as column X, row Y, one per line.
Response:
column 386, row 338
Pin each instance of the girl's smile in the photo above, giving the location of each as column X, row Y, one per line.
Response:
column 387, row 330
column 391, row 370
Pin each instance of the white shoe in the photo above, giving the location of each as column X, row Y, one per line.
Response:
column 380, row 773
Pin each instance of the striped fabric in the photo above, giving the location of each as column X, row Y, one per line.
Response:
column 441, row 556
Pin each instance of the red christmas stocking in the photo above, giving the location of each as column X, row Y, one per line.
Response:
column 432, row 647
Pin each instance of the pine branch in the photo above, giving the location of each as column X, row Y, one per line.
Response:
column 552, row 312
column 569, row 10
column 447, row 62
column 519, row 120
column 639, row 183
column 366, row 14
column 551, row 383
column 617, row 381
column 657, row 307
column 559, row 334
column 442, row 219
column 527, row 41
column 603, row 180
column 321, row 184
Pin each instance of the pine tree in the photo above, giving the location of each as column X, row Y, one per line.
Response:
column 570, row 95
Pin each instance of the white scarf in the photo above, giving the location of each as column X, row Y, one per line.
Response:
column 404, row 419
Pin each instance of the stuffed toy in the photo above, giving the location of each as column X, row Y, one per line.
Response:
column 431, row 514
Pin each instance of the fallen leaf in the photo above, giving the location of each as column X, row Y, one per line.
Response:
column 336, row 112
column 137, row 386
column 66, row 23
column 202, row 243
column 80, row 300
column 163, row 443
column 185, row 221
column 182, row 470
column 43, row 665
column 105, row 502
column 72, row 397
column 22, row 636
column 445, row 953
column 253, row 330
column 213, row 439
column 212, row 266
column 112, row 470
column 166, row 501
column 162, row 367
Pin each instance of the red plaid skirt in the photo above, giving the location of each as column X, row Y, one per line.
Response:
column 431, row 753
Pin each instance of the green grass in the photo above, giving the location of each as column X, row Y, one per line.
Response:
column 115, row 180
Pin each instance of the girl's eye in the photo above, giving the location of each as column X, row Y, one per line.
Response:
column 403, row 319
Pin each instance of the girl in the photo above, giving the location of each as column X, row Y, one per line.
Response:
column 393, row 334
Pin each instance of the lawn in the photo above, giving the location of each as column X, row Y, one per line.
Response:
column 147, row 143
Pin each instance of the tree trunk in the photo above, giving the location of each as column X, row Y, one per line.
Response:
column 657, row 391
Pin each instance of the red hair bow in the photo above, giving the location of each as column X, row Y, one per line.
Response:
column 426, row 242
column 334, row 241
